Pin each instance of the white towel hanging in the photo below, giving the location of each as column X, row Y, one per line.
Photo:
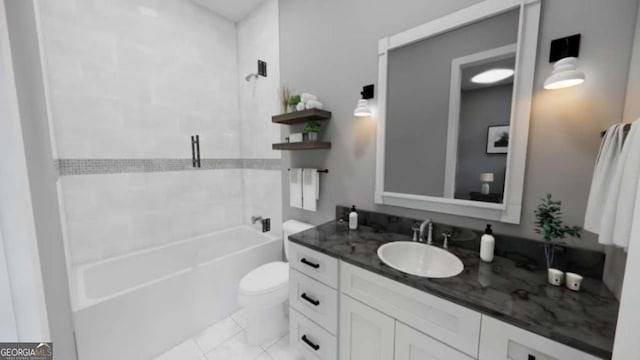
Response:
column 295, row 188
column 310, row 189
column 603, row 173
column 619, row 207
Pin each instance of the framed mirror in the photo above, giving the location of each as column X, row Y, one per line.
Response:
column 454, row 108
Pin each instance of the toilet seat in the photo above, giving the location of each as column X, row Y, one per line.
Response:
column 265, row 279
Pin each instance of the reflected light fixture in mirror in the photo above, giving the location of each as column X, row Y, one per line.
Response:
column 492, row 76
column 362, row 108
column 564, row 54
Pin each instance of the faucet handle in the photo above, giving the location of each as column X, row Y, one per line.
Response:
column 447, row 236
column 416, row 230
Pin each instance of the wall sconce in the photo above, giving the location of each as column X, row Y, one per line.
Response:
column 564, row 53
column 362, row 108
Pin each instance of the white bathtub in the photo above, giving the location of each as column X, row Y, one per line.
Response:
column 139, row 305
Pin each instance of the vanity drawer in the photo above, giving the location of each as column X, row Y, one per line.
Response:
column 313, row 342
column 319, row 266
column 314, row 299
column 452, row 324
column 500, row 340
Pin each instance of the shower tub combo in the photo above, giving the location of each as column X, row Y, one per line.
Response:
column 139, row 305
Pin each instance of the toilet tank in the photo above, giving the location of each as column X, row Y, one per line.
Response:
column 292, row 227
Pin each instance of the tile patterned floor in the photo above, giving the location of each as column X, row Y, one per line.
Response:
column 225, row 341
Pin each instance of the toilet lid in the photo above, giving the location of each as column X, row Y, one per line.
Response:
column 265, row 279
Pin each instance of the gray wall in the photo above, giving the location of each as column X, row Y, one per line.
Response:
column 42, row 177
column 418, row 102
column 479, row 109
column 329, row 47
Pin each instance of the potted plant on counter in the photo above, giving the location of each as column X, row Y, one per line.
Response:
column 550, row 225
column 312, row 129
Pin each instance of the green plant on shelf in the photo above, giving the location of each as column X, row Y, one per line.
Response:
column 312, row 127
column 294, row 100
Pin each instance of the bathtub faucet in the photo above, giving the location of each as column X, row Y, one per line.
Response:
column 255, row 219
column 266, row 223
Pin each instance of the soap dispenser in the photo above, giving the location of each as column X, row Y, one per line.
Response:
column 353, row 218
column 487, row 244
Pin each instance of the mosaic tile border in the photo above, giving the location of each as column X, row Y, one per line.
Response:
column 119, row 166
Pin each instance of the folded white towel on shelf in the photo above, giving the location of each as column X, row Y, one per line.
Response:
column 313, row 104
column 310, row 189
column 304, row 97
column 603, row 174
column 619, row 208
column 295, row 188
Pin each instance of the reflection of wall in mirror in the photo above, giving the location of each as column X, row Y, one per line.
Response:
column 479, row 110
column 419, row 77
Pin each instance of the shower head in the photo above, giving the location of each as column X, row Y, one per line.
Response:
column 250, row 76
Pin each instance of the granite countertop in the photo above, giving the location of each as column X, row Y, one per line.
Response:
column 584, row 320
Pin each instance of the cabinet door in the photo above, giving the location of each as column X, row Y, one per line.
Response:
column 500, row 340
column 414, row 345
column 365, row 334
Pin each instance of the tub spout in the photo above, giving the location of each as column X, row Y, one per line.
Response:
column 255, row 219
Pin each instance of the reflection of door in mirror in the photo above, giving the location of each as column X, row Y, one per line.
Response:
column 425, row 154
column 484, row 100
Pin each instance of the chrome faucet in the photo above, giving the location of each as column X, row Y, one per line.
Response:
column 429, row 225
column 255, row 219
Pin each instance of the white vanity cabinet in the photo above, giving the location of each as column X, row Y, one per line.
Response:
column 500, row 340
column 341, row 311
column 411, row 344
column 365, row 334
column 449, row 323
column 313, row 301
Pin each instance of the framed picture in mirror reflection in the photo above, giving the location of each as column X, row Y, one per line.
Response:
column 498, row 139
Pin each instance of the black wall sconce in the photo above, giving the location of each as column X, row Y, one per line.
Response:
column 362, row 108
column 564, row 53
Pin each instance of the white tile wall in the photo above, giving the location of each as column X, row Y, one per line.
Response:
column 114, row 214
column 125, row 85
column 258, row 38
column 263, row 196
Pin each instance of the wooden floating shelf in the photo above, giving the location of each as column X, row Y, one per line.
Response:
column 306, row 145
column 299, row 117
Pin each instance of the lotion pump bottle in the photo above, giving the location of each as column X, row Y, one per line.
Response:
column 353, row 218
column 487, row 244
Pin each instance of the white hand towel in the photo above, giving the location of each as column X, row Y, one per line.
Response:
column 304, row 97
column 603, row 174
column 313, row 104
column 295, row 188
column 620, row 203
column 310, row 189
column 628, row 189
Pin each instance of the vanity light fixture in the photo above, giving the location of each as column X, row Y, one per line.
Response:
column 564, row 55
column 492, row 76
column 362, row 108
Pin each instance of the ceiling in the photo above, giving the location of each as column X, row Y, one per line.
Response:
column 234, row 10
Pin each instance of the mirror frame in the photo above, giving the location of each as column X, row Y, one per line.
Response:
column 510, row 210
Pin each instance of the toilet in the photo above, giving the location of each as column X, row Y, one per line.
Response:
column 264, row 293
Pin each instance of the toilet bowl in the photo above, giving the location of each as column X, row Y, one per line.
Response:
column 264, row 293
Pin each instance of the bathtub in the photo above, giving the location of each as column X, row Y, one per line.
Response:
column 139, row 305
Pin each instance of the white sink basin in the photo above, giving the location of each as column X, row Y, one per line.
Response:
column 420, row 259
